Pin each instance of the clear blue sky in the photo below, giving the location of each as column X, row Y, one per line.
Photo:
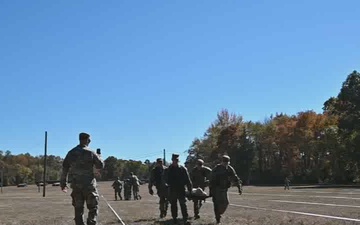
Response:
column 141, row 76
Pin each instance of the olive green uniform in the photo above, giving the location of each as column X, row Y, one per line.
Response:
column 117, row 185
column 221, row 178
column 200, row 179
column 156, row 179
column 82, row 160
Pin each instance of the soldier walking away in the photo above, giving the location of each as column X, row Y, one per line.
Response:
column 156, row 179
column 200, row 176
column 287, row 184
column 176, row 178
column 135, row 183
column 117, row 185
column 221, row 178
column 81, row 160
column 127, row 189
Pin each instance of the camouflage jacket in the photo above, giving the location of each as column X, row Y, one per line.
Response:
column 222, row 177
column 117, row 185
column 177, row 177
column 200, row 176
column 134, row 180
column 156, row 177
column 81, row 160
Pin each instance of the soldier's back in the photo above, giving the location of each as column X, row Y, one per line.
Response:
column 81, row 160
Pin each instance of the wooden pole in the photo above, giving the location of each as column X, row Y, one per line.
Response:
column 45, row 156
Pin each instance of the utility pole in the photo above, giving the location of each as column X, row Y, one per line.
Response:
column 45, row 155
column 2, row 179
column 164, row 158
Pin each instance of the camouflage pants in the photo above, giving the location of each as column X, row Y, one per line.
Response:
column 136, row 192
column 197, row 204
column 287, row 186
column 127, row 193
column 221, row 201
column 174, row 197
column 118, row 193
column 163, row 202
column 91, row 197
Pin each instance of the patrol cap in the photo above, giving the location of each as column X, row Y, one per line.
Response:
column 83, row 136
column 200, row 161
column 225, row 158
column 159, row 160
column 175, row 157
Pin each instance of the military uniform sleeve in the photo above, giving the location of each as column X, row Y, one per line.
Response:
column 187, row 180
column 233, row 176
column 98, row 162
column 65, row 170
column 212, row 176
column 166, row 177
column 191, row 174
column 152, row 178
column 208, row 173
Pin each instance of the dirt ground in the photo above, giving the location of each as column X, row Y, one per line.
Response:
column 257, row 206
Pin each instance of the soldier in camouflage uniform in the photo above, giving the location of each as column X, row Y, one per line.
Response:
column 117, row 185
column 135, row 184
column 176, row 177
column 287, row 184
column 81, row 160
column 200, row 176
column 127, row 189
column 156, row 179
column 221, row 177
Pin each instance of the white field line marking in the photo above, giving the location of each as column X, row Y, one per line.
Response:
column 293, row 212
column 316, row 203
column 300, row 213
column 117, row 216
column 328, row 192
column 311, row 196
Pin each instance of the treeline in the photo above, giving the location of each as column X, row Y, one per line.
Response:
column 307, row 147
column 24, row 168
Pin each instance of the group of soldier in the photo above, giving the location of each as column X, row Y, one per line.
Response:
column 131, row 184
column 170, row 183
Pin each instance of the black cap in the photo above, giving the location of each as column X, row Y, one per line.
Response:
column 159, row 160
column 83, row 136
column 175, row 157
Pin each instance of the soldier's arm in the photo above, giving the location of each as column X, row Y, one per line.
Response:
column 188, row 180
column 207, row 175
column 151, row 180
column 98, row 162
column 212, row 181
column 65, row 170
column 191, row 174
column 234, row 177
column 166, row 177
column 212, row 177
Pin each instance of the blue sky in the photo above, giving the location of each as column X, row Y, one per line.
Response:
column 141, row 76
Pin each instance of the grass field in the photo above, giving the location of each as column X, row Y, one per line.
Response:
column 257, row 206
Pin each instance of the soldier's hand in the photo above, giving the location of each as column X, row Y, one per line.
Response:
column 151, row 191
column 64, row 189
